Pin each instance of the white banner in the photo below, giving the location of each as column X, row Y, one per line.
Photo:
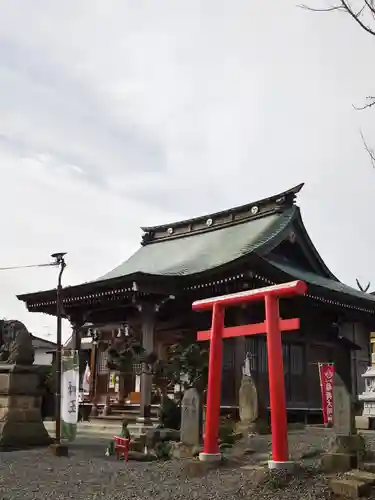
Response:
column 69, row 395
column 86, row 379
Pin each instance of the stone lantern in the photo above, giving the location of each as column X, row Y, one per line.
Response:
column 367, row 419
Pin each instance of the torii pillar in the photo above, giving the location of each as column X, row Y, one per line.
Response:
column 272, row 327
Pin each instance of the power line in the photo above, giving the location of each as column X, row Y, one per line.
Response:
column 28, row 267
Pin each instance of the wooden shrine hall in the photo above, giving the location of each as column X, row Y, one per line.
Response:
column 250, row 246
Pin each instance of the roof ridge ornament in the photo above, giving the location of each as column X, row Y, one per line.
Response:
column 223, row 218
column 363, row 289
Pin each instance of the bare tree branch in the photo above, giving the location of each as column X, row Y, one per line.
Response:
column 328, row 9
column 368, row 7
column 356, row 17
column 365, row 18
column 370, row 151
column 370, row 102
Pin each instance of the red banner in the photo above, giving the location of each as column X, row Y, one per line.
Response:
column 326, row 375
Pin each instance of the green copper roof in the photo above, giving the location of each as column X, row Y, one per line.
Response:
column 314, row 279
column 210, row 249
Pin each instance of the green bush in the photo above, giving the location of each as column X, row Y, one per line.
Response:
column 163, row 450
column 226, row 432
column 170, row 414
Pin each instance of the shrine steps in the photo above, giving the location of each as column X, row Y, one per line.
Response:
column 128, row 412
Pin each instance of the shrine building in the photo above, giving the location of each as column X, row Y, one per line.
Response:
column 150, row 295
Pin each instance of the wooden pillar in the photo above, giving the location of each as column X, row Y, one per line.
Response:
column 148, row 339
column 93, row 370
column 76, row 337
column 77, row 324
column 77, row 321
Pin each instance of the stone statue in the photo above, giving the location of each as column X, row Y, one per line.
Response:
column 17, row 347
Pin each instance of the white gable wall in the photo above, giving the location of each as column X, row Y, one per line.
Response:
column 42, row 357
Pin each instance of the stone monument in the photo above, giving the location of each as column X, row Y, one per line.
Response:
column 367, row 419
column 343, row 415
column 190, row 418
column 346, row 447
column 21, row 422
column 251, row 409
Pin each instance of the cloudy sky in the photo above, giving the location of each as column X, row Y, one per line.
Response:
column 119, row 113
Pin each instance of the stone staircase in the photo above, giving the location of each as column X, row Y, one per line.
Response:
column 356, row 483
column 128, row 412
column 109, row 425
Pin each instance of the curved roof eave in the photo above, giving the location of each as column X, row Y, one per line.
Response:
column 303, row 231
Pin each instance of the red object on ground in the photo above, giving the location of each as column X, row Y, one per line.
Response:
column 272, row 326
column 326, row 374
column 122, row 447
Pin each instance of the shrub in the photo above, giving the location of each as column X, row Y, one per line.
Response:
column 170, row 413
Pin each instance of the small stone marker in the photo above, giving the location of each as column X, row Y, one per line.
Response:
column 190, row 414
column 343, row 418
column 252, row 415
column 248, row 400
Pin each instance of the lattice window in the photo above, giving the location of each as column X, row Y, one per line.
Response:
column 262, row 356
column 286, row 357
column 228, row 355
column 103, row 362
column 296, row 359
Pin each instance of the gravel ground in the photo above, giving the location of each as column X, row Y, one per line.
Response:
column 88, row 474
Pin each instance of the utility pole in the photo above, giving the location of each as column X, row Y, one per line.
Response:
column 58, row 447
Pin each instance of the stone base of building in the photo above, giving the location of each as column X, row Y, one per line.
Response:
column 21, row 424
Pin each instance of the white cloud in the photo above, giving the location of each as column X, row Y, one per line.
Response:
column 116, row 114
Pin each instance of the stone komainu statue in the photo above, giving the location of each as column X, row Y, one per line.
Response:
column 17, row 347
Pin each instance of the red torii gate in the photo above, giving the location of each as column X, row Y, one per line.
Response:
column 272, row 326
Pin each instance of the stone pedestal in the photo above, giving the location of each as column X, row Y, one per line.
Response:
column 21, row 424
column 345, row 453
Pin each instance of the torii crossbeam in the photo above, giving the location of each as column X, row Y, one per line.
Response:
column 272, row 327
